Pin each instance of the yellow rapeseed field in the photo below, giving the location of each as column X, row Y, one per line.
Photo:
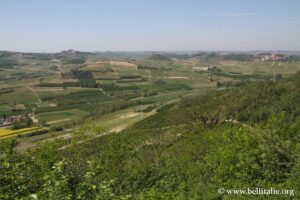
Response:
column 5, row 133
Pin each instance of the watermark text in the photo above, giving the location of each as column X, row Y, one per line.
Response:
column 256, row 191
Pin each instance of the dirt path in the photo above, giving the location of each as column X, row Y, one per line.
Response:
column 25, row 146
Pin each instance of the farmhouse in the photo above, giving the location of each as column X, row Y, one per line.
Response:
column 6, row 121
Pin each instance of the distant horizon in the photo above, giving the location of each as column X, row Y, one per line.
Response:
column 149, row 51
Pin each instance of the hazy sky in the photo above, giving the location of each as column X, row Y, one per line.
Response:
column 98, row 25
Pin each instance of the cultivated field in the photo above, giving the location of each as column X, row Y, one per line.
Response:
column 62, row 93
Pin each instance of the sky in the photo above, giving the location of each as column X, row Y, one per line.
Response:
column 149, row 25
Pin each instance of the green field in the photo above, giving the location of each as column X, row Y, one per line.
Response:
column 52, row 118
column 120, row 120
column 20, row 95
column 4, row 108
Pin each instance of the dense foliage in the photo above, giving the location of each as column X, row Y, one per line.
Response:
column 240, row 138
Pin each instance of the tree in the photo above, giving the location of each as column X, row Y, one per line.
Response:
column 56, row 184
